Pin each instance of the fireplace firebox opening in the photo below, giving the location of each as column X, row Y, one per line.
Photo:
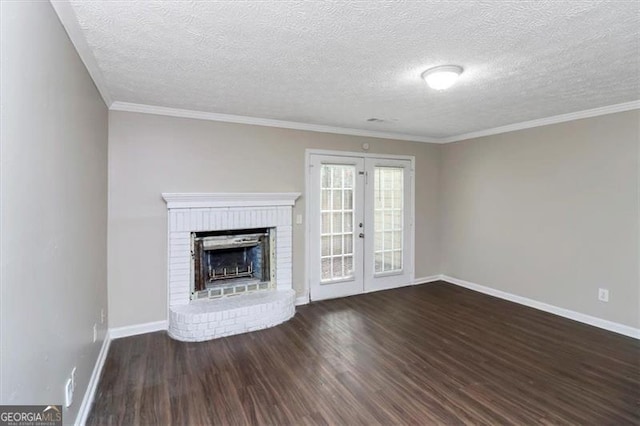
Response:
column 231, row 262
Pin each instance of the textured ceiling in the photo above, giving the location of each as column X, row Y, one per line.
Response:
column 339, row 63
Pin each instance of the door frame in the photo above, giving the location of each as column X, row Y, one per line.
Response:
column 307, row 206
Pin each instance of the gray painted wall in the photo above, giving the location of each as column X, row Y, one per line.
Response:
column 151, row 154
column 549, row 213
column 53, row 210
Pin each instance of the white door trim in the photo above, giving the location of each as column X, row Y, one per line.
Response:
column 307, row 207
column 309, row 152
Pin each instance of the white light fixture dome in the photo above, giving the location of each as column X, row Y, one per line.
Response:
column 442, row 77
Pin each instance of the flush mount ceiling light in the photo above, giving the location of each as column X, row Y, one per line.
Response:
column 443, row 77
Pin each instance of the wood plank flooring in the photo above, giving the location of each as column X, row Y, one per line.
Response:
column 429, row 354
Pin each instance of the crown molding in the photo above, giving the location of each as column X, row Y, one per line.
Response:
column 627, row 106
column 70, row 23
column 256, row 121
column 195, row 200
column 228, row 118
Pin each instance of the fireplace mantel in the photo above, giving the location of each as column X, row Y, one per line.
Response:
column 194, row 200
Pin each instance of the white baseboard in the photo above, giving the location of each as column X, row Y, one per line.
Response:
column 566, row 313
column 302, row 300
column 133, row 330
column 425, row 280
column 87, row 400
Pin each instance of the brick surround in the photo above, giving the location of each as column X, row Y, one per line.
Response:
column 209, row 319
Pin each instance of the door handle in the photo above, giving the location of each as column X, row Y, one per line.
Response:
column 361, row 235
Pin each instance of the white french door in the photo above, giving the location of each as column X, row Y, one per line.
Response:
column 336, row 252
column 360, row 224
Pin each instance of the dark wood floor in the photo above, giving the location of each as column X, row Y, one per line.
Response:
column 430, row 354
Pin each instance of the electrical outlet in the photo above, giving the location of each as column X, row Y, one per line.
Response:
column 102, row 316
column 68, row 393
column 95, row 332
column 603, row 294
column 298, row 219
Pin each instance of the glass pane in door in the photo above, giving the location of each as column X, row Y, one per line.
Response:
column 337, row 227
column 388, row 219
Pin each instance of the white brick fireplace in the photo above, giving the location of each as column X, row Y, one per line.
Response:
column 198, row 320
